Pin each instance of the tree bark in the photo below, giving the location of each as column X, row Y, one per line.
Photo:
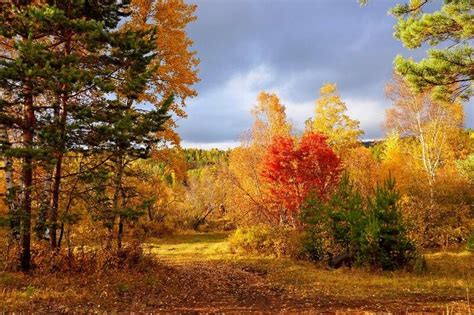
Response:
column 55, row 200
column 41, row 227
column 116, row 200
column 27, row 182
column 61, row 114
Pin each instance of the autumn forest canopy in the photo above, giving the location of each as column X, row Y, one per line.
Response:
column 96, row 185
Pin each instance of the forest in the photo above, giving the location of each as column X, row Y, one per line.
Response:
column 104, row 210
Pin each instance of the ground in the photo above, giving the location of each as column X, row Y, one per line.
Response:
column 198, row 273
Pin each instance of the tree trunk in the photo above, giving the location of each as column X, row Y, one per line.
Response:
column 41, row 227
column 61, row 114
column 120, row 234
column 25, row 230
column 116, row 200
column 55, row 200
column 27, row 183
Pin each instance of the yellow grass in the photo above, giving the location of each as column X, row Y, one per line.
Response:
column 450, row 275
column 445, row 284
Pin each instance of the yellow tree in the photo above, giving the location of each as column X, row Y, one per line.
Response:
column 245, row 161
column 435, row 125
column 430, row 136
column 331, row 119
column 363, row 169
column 269, row 120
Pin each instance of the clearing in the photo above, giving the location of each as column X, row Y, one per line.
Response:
column 198, row 273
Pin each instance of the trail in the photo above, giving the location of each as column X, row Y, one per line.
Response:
column 204, row 276
column 198, row 274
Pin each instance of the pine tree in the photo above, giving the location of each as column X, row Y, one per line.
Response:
column 448, row 67
column 25, row 72
column 65, row 59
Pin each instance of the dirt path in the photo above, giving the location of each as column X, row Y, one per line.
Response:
column 207, row 277
column 216, row 287
column 198, row 274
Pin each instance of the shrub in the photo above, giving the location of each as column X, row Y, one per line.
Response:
column 266, row 240
column 333, row 227
column 84, row 259
column 347, row 218
column 312, row 245
column 314, row 239
column 367, row 232
column 383, row 242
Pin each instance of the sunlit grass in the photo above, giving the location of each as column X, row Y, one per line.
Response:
column 449, row 274
column 446, row 281
column 198, row 246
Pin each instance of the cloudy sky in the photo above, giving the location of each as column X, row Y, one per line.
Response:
column 290, row 47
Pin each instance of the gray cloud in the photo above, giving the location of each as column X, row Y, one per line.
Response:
column 291, row 48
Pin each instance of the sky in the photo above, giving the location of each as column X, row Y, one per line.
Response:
column 291, row 48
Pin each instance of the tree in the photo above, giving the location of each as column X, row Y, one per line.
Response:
column 366, row 230
column 422, row 156
column 206, row 194
column 270, row 120
column 292, row 171
column 245, row 162
column 363, row 169
column 331, row 120
column 127, row 134
column 97, row 59
column 65, row 61
column 449, row 69
column 25, row 71
column 175, row 64
column 434, row 124
column 466, row 167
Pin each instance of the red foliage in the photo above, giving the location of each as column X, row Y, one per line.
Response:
column 294, row 170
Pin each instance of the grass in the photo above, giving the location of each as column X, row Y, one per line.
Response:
column 445, row 283
column 449, row 275
column 191, row 247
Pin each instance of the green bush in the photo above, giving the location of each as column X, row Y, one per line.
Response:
column 333, row 227
column 266, row 240
column 383, row 243
column 368, row 232
column 347, row 218
column 312, row 245
column 314, row 215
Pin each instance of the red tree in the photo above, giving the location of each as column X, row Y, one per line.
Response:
column 293, row 170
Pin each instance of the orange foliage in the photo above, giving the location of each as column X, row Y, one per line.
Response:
column 245, row 162
column 176, row 64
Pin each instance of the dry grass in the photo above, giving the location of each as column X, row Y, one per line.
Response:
column 195, row 263
column 449, row 275
column 190, row 247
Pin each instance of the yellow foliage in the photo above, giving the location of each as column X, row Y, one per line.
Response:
column 435, row 126
column 363, row 169
column 331, row 120
column 270, row 119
